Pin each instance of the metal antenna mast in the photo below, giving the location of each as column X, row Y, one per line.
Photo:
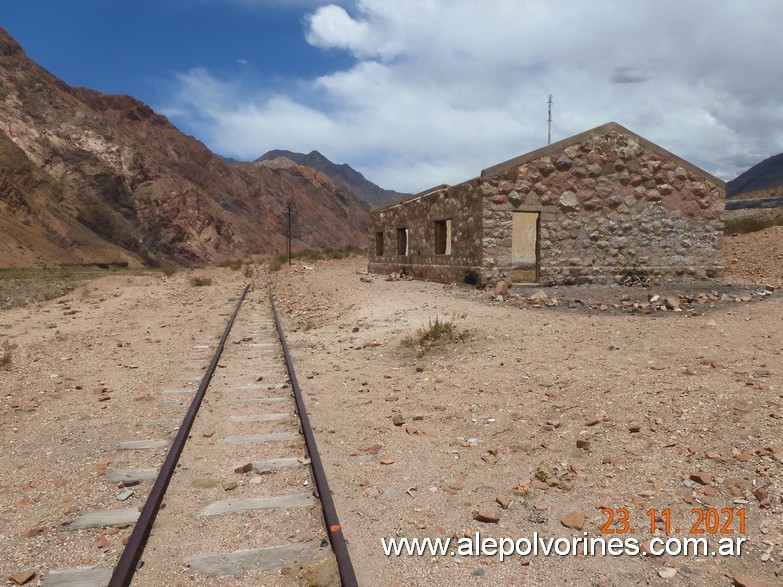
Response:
column 549, row 121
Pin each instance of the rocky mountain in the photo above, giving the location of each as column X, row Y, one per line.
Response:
column 763, row 176
column 92, row 178
column 344, row 174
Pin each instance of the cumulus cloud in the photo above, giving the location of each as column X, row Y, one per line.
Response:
column 439, row 89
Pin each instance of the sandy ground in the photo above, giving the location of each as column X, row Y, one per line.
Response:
column 536, row 417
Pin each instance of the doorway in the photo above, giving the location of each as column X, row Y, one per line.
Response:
column 524, row 247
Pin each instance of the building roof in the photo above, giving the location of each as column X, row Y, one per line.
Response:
column 564, row 144
column 599, row 130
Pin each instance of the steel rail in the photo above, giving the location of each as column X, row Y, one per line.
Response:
column 131, row 554
column 335, row 532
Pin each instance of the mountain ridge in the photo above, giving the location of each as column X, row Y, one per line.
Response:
column 768, row 174
column 88, row 177
column 342, row 173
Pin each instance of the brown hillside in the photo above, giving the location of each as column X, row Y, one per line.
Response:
column 125, row 185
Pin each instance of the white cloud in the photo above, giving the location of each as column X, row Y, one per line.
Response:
column 442, row 88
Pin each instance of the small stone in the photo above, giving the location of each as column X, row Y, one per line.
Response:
column 667, row 572
column 537, row 484
column 229, row 485
column 386, row 461
column 22, row 577
column 32, row 532
column 541, row 297
column 102, row 542
column 575, row 520
column 398, row 419
column 711, row 454
column 125, row 495
column 700, row 477
column 246, row 468
column 487, row 516
column 479, row 572
column 489, row 458
column 634, row 427
column 522, row 490
column 501, row 289
column 583, row 444
column 671, row 303
column 594, row 421
column 748, row 581
column 503, row 501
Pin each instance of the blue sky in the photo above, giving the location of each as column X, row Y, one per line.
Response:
column 414, row 93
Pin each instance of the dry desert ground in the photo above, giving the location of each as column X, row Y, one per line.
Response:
column 534, row 413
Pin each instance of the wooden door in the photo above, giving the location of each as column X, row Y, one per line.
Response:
column 524, row 250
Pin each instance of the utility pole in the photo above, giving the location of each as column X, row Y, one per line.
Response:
column 289, row 232
column 549, row 121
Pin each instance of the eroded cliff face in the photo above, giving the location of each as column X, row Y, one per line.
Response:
column 137, row 189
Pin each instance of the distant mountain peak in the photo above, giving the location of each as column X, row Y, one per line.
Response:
column 342, row 173
column 762, row 176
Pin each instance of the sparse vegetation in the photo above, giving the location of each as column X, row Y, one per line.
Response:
column 235, row 264
column 168, row 270
column 6, row 354
column 437, row 331
column 200, row 281
column 310, row 255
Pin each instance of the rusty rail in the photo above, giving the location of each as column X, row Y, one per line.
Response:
column 126, row 567
column 332, row 522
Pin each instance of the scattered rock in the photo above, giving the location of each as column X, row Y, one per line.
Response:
column 242, row 469
column 575, row 520
column 22, row 577
column 748, row 581
column 487, row 516
column 502, row 501
column 501, row 289
column 540, row 297
column 667, row 572
column 398, row 419
column 700, row 477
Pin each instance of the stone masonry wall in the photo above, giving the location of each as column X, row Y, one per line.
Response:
column 610, row 206
column 462, row 204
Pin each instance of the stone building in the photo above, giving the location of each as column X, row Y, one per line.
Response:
column 598, row 207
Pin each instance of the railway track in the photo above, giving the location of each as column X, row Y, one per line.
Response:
column 241, row 496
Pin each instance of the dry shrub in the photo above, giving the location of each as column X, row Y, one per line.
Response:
column 200, row 281
column 6, row 353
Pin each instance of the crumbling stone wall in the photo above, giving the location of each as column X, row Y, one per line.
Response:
column 611, row 205
column 461, row 204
